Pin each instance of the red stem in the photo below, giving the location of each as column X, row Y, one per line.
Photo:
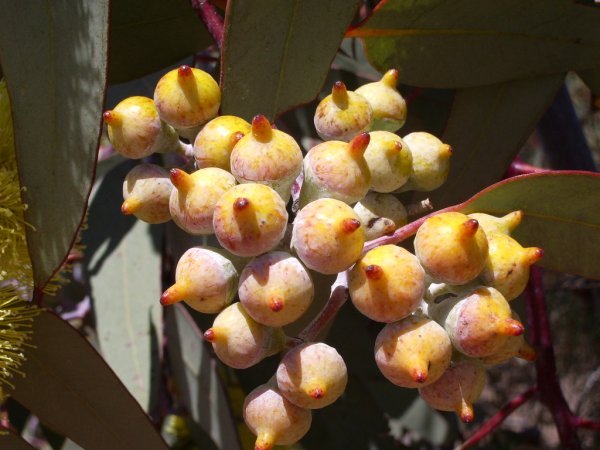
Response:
column 211, row 18
column 406, row 231
column 586, row 423
column 494, row 422
column 339, row 296
column 549, row 388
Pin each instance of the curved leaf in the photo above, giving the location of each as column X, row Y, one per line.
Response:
column 148, row 35
column 487, row 127
column 72, row 390
column 200, row 387
column 462, row 43
column 125, row 279
column 562, row 215
column 54, row 59
column 294, row 44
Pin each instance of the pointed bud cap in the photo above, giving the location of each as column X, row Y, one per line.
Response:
column 390, row 78
column 533, row 255
column 469, row 228
column 184, row 72
column 111, row 118
column 130, row 206
column 339, row 94
column 240, row 204
column 446, row 150
column 316, row 393
column 264, row 441
column 465, row 412
column 210, row 335
column 510, row 327
column 512, row 220
column 526, row 352
column 359, row 144
column 181, row 180
column 276, row 304
column 420, row 376
column 172, row 295
column 349, row 225
column 235, row 137
column 261, row 128
column 373, row 272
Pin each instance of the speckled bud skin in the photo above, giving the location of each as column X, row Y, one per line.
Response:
column 430, row 162
column 336, row 169
column 205, row 279
column 146, row 192
column 380, row 214
column 241, row 342
column 195, row 197
column 186, row 98
column 413, row 352
column 250, row 219
column 342, row 115
column 275, row 289
column 508, row 264
column 451, row 247
column 457, row 389
column 388, row 105
column 214, row 143
column 387, row 284
column 273, row 419
column 478, row 322
column 136, row 131
column 327, row 236
column 267, row 156
column 389, row 160
column 492, row 224
column 312, row 375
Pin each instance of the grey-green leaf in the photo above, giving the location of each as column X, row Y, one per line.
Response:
column 292, row 44
column 463, row 43
column 148, row 35
column 200, row 387
column 126, row 285
column 54, row 60
column 487, row 127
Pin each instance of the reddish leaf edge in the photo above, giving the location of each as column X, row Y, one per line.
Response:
column 94, row 354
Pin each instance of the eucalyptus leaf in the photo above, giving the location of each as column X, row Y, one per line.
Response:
column 464, row 43
column 199, row 385
column 147, row 35
column 125, row 288
column 72, row 390
column 562, row 215
column 291, row 48
column 486, row 128
column 54, row 58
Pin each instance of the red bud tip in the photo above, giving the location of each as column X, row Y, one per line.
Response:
column 350, row 225
column 317, row 393
column 470, row 227
column 339, row 94
column 466, row 413
column 526, row 352
column 390, row 78
column 359, row 143
column 261, row 128
column 170, row 296
column 209, row 335
column 127, row 208
column 241, row 203
column 398, row 146
column 109, row 117
column 276, row 304
column 534, row 254
column 180, row 179
column 373, row 272
column 512, row 327
column 419, row 376
column 184, row 71
column 447, row 150
column 263, row 446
